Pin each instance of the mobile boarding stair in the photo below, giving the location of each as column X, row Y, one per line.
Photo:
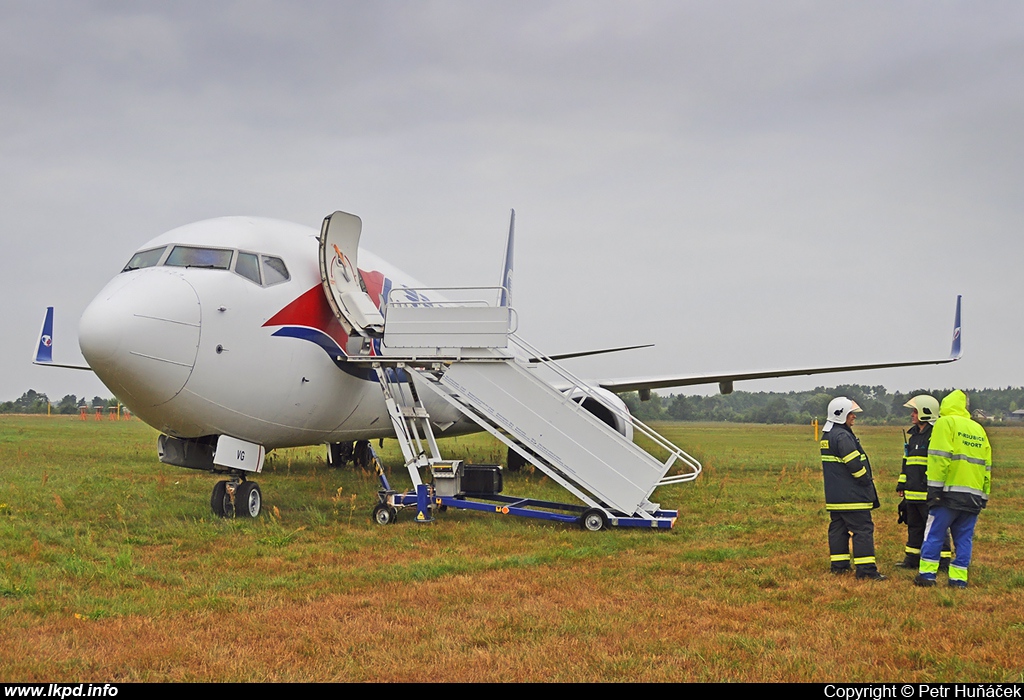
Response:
column 466, row 353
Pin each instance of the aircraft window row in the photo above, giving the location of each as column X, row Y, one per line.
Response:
column 248, row 265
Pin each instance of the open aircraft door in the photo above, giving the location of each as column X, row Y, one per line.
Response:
column 339, row 250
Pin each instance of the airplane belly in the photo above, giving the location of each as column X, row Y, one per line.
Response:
column 142, row 340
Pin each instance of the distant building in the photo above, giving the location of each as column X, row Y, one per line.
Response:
column 1016, row 415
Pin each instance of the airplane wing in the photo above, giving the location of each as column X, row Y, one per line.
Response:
column 44, row 352
column 588, row 353
column 725, row 380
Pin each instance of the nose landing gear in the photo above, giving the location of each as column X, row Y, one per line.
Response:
column 236, row 498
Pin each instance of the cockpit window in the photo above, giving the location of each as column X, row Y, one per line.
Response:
column 274, row 270
column 144, row 258
column 188, row 256
column 263, row 270
column 248, row 266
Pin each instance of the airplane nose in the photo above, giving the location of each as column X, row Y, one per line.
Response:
column 141, row 335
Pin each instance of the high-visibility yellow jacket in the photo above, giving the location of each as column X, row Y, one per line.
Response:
column 959, row 458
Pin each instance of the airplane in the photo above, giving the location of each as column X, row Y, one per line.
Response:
column 233, row 337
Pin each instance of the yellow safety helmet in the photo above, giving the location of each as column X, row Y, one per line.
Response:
column 926, row 406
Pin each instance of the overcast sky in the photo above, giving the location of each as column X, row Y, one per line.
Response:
column 748, row 185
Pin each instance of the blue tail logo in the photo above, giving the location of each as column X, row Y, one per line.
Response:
column 45, row 351
column 505, row 298
column 955, row 351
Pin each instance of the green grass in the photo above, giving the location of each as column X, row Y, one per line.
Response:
column 113, row 568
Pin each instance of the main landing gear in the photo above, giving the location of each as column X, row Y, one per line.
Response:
column 236, row 498
column 341, row 453
column 515, row 461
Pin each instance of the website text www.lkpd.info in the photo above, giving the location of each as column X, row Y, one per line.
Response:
column 61, row 690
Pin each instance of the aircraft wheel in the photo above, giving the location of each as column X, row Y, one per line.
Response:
column 220, row 502
column 339, row 454
column 248, row 500
column 383, row 514
column 593, row 520
column 515, row 461
column 362, row 454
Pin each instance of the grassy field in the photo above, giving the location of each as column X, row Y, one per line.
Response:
column 114, row 569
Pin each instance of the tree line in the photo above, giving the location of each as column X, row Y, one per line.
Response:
column 34, row 402
column 880, row 406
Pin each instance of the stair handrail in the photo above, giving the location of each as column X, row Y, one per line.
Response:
column 575, row 383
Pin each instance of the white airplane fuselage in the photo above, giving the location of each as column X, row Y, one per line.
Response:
column 224, row 328
column 196, row 351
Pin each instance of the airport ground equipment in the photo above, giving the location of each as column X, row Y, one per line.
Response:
column 467, row 354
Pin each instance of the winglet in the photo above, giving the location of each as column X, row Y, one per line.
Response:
column 505, row 297
column 955, row 352
column 44, row 353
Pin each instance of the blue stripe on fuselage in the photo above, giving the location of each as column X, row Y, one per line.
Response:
column 331, row 347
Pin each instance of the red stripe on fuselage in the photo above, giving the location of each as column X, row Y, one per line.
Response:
column 311, row 310
column 374, row 283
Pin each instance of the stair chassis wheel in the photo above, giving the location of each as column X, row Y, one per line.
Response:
column 593, row 520
column 384, row 514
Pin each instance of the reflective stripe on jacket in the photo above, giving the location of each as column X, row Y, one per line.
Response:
column 847, row 472
column 913, row 482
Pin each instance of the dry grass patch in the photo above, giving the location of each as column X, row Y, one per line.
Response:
column 133, row 579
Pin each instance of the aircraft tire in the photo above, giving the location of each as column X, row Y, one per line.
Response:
column 593, row 520
column 220, row 502
column 362, row 454
column 248, row 500
column 339, row 454
column 516, row 462
column 383, row 514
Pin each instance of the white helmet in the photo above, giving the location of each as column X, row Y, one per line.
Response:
column 838, row 409
column 926, row 406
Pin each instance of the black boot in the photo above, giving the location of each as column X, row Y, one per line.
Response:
column 870, row 574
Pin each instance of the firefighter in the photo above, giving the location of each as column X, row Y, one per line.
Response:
column 849, row 493
column 959, row 483
column 913, row 486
